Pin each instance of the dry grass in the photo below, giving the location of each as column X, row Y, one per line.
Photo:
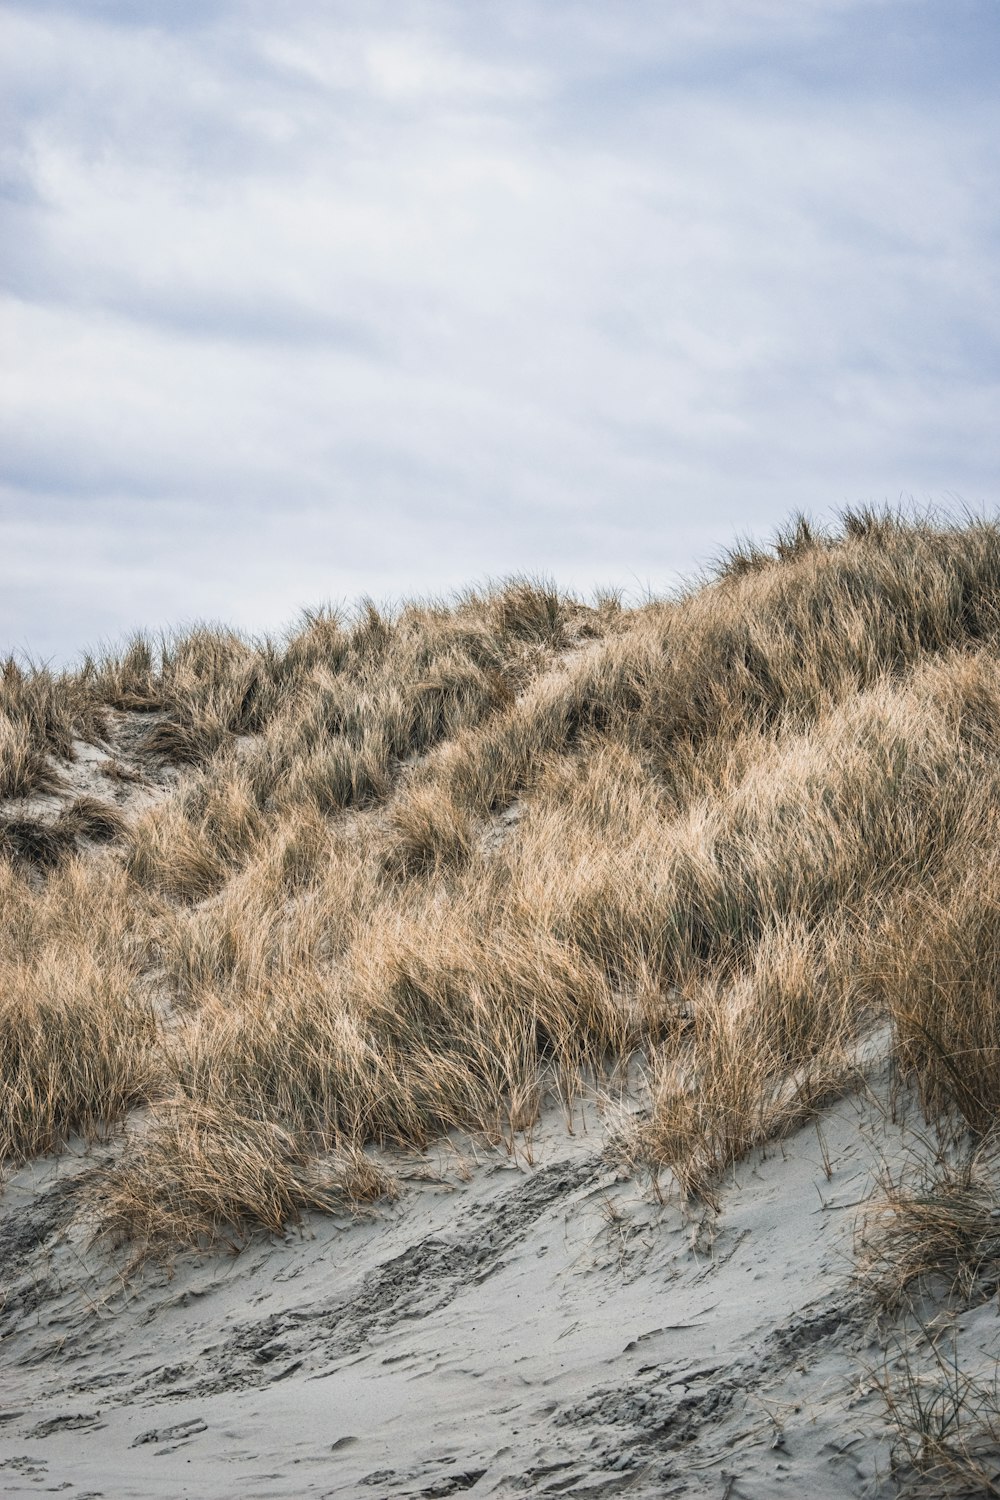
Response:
column 419, row 865
column 90, row 818
column 31, row 844
column 77, row 1034
column 40, row 716
column 935, row 1228
column 210, row 1175
column 946, row 1425
column 761, row 1049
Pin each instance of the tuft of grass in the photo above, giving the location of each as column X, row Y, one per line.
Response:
column 202, row 1175
column 941, row 985
column 947, row 1428
column 90, row 818
column 41, row 714
column 32, row 844
column 127, row 682
column 932, row 1227
column 77, row 1033
column 172, row 856
column 427, row 832
column 754, row 1058
column 25, row 767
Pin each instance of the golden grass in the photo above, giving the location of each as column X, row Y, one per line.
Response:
column 77, row 1032
column 933, row 1225
column 209, row 1174
column 40, row 717
column 416, row 865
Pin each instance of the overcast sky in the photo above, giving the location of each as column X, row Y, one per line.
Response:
column 305, row 301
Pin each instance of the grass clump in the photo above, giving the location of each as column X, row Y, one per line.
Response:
column 929, row 1244
column 41, row 714
column 946, row 1425
column 32, row 844
column 208, row 1175
column 77, row 1033
column 936, row 1227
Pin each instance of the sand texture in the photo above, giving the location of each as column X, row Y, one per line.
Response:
column 508, row 1327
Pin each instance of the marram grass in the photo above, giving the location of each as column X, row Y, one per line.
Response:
column 412, row 866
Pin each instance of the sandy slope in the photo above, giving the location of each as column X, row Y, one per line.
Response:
column 543, row 1328
column 537, row 1324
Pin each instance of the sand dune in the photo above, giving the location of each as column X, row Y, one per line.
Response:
column 435, row 879
column 506, row 1328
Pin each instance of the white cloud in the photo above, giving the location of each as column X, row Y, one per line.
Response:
column 539, row 286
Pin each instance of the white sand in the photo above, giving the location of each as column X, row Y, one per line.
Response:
column 508, row 1328
column 536, row 1329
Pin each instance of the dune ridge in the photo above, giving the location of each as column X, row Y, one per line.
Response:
column 287, row 922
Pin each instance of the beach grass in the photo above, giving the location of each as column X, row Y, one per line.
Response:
column 406, row 868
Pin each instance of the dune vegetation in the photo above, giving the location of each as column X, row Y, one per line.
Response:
column 406, row 871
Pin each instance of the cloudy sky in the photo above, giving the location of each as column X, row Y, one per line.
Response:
column 305, row 301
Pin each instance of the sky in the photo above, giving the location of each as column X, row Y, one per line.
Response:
column 307, row 301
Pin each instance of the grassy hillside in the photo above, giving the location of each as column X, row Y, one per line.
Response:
column 395, row 874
